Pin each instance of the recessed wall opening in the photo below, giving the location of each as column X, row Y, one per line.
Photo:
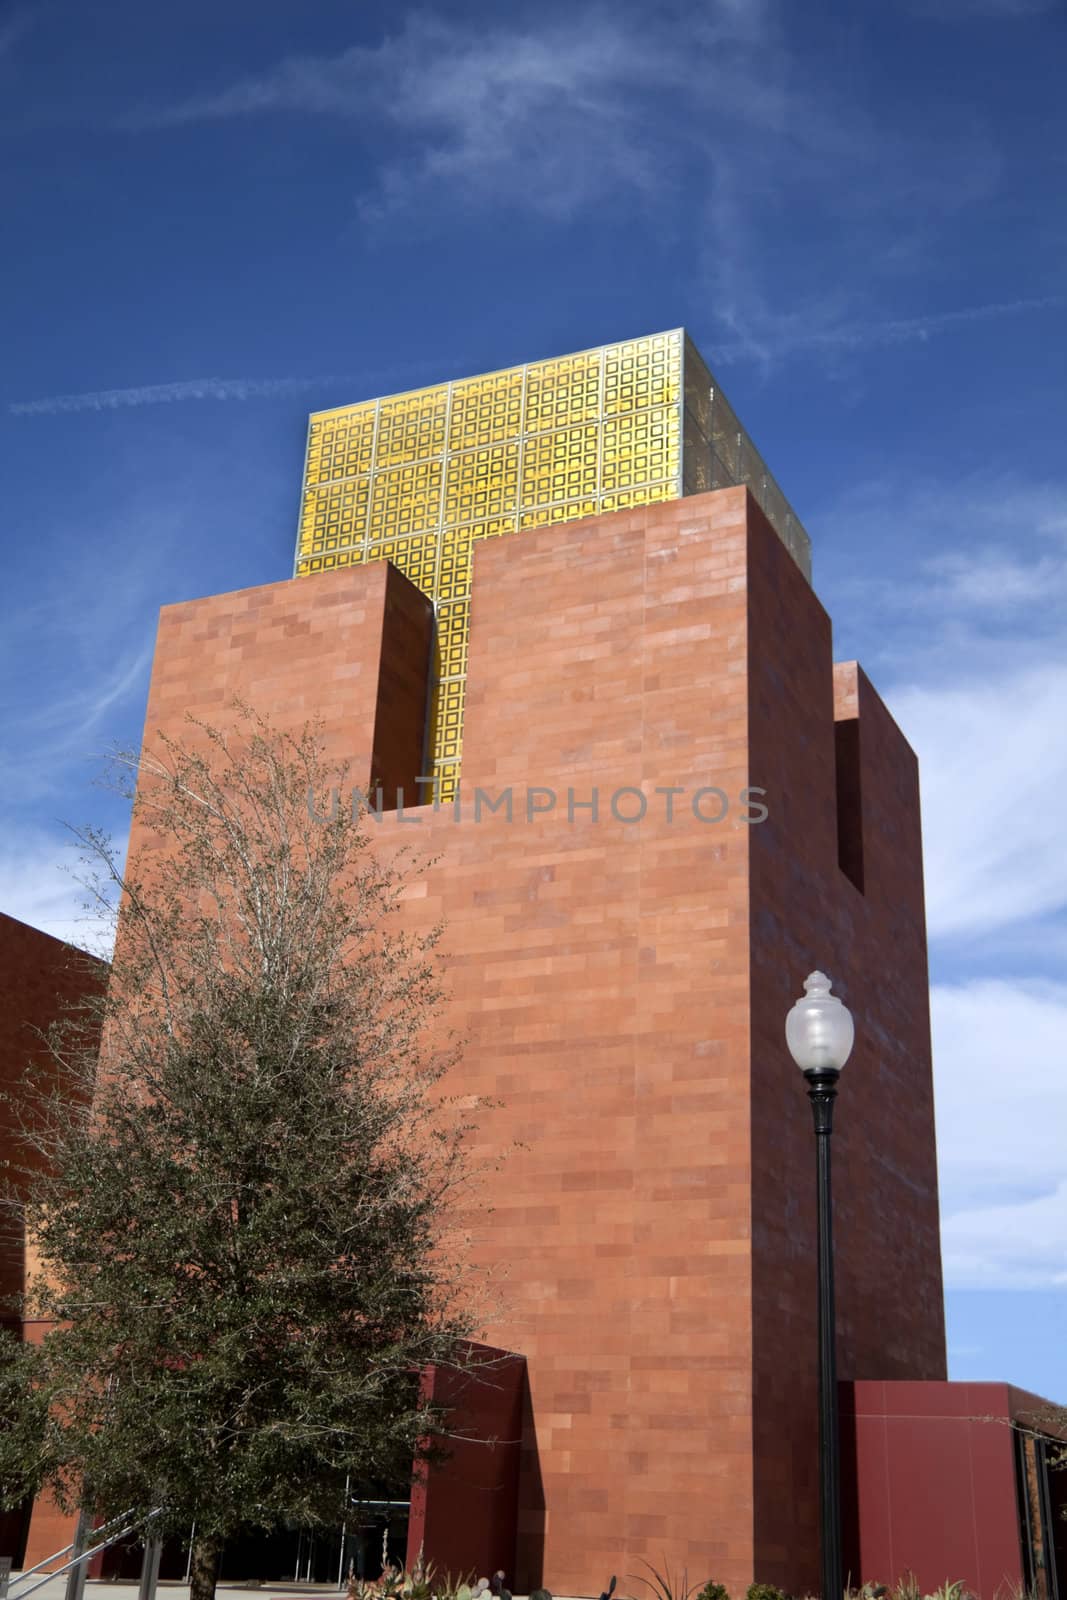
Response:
column 849, row 800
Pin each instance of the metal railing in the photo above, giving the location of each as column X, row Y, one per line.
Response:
column 80, row 1552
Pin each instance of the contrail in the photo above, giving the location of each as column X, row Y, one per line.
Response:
column 164, row 394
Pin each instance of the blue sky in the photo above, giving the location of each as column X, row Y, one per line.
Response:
column 219, row 216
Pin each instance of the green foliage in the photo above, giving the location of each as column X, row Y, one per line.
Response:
column 242, row 1244
column 907, row 1587
column 540, row 1594
column 423, row 1582
column 765, row 1591
column 713, row 1591
column 666, row 1585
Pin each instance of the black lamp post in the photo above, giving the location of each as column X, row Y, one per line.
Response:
column 819, row 1032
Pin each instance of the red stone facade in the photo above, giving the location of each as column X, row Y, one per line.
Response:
column 622, row 987
column 40, row 978
column 944, row 1478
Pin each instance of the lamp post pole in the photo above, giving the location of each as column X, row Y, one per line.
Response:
column 822, row 1091
column 820, row 1033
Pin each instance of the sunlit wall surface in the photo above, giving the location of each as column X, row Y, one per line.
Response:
column 419, row 478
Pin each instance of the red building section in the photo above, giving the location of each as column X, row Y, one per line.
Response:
column 622, row 984
column 464, row 1509
column 40, row 978
column 673, row 807
column 952, row 1480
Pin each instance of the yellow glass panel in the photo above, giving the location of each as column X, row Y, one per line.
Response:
column 646, row 495
column 406, row 500
column 567, row 511
column 560, row 465
column 411, row 427
column 562, row 391
column 454, row 573
column 491, row 529
column 642, row 372
column 446, row 781
column 446, row 719
column 485, row 410
column 335, row 517
column 341, row 443
column 416, row 557
column 418, row 479
column 328, row 563
column 452, row 640
column 639, row 447
column 481, row 483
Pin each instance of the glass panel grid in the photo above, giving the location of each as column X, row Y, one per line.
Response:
column 420, row 478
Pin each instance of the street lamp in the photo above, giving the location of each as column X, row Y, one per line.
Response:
column 819, row 1032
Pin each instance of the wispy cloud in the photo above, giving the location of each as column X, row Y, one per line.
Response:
column 971, row 588
column 601, row 106
column 993, row 757
column 1003, row 1169
column 39, row 885
column 955, row 568
column 967, row 635
column 536, row 118
column 777, row 337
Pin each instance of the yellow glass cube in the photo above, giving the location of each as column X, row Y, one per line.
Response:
column 420, row 478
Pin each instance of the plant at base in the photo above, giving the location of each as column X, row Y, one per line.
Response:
column 241, row 1217
column 665, row 1585
column 713, row 1591
column 765, row 1591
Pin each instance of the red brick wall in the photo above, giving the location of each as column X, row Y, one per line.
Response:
column 622, row 990
column 806, row 913
column 40, row 977
column 352, row 649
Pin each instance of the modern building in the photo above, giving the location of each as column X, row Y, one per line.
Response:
column 561, row 617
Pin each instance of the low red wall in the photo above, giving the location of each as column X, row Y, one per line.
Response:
column 464, row 1511
column 928, row 1484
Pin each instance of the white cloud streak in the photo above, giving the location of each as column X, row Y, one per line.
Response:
column 1000, row 1053
column 600, row 106
column 358, row 384
column 163, row 394
column 788, row 337
column 980, row 685
column 970, row 587
column 39, row 885
column 539, row 118
column 993, row 760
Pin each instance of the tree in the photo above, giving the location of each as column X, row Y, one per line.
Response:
column 242, row 1217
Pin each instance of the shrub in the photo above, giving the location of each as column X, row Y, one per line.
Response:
column 765, row 1591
